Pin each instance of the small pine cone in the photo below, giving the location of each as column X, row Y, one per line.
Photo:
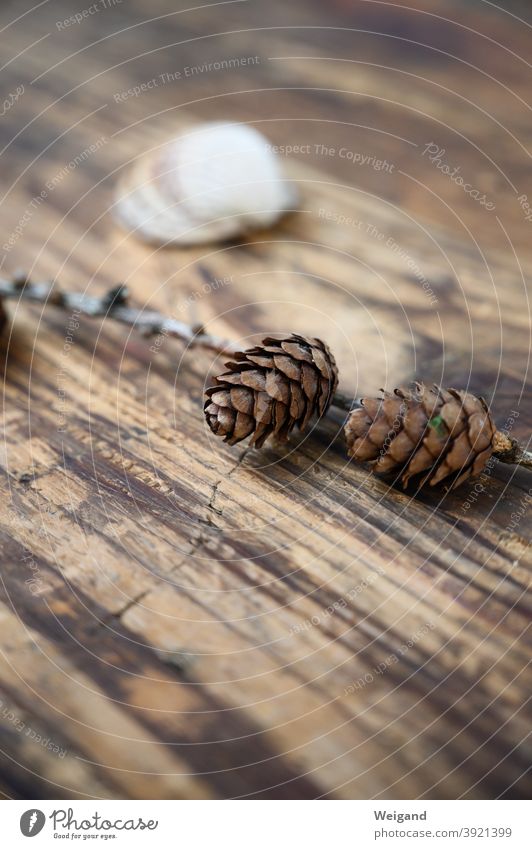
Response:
column 435, row 432
column 270, row 389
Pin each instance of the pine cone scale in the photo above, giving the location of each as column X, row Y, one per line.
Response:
column 481, row 460
column 289, row 367
column 297, row 402
column 401, row 447
column 414, row 422
column 242, row 400
column 254, row 379
column 477, row 432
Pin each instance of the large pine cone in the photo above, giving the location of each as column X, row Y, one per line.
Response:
column 272, row 388
column 435, row 432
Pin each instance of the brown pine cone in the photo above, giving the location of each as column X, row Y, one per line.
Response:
column 435, row 432
column 270, row 389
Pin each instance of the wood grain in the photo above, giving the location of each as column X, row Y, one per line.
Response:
column 189, row 620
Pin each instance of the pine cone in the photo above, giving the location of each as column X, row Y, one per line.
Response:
column 270, row 389
column 439, row 432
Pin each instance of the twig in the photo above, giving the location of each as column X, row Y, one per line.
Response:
column 114, row 304
column 509, row 450
column 344, row 402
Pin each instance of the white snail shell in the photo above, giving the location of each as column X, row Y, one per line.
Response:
column 212, row 183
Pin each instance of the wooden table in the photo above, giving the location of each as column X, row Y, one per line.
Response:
column 185, row 619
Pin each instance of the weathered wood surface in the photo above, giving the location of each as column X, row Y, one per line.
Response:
column 166, row 600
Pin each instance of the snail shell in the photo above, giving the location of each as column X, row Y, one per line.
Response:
column 213, row 183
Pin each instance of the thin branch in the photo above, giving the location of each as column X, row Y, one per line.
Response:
column 114, row 304
column 344, row 402
column 509, row 450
